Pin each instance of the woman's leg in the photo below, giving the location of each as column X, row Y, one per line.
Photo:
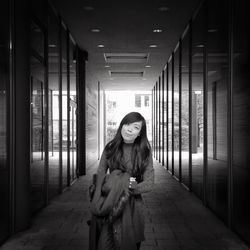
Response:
column 138, row 245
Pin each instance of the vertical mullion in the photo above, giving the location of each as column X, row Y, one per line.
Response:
column 167, row 144
column 68, row 111
column 180, row 111
column 11, row 119
column 205, row 99
column 152, row 127
column 46, row 113
column 60, row 107
column 190, row 106
column 230, row 117
column 156, row 113
column 172, row 82
column 98, row 120
column 155, row 121
column 152, row 118
column 159, row 114
column 105, row 117
column 162, row 114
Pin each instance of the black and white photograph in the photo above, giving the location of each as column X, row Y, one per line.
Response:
column 124, row 125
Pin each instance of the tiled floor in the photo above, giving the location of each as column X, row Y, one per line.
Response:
column 175, row 220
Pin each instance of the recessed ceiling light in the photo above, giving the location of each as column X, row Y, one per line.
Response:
column 107, row 66
column 52, row 45
column 212, row 30
column 148, row 66
column 200, row 46
column 100, row 46
column 153, row 46
column 163, row 8
column 157, row 30
column 95, row 30
column 88, row 8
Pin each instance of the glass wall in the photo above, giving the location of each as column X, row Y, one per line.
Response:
column 214, row 102
column 4, row 85
column 163, row 119
column 38, row 116
column 160, row 120
column 176, row 102
column 241, row 119
column 73, row 109
column 185, row 70
column 64, row 108
column 53, row 108
column 170, row 121
column 198, row 60
column 157, row 120
column 165, row 138
column 218, row 82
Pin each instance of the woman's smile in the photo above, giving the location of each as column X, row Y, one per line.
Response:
column 130, row 131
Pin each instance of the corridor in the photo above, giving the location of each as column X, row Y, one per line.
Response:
column 175, row 220
column 69, row 72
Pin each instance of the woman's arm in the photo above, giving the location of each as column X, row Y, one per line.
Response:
column 148, row 179
column 102, row 169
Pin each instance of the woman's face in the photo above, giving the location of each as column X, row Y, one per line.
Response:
column 130, row 131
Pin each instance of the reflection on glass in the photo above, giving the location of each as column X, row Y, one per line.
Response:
column 197, row 102
column 217, row 169
column 154, row 122
column 73, row 107
column 241, row 120
column 185, row 110
column 160, row 119
column 176, row 113
column 4, row 82
column 157, row 120
column 165, row 124
column 53, row 108
column 64, row 111
column 37, row 134
column 37, row 39
column 170, row 122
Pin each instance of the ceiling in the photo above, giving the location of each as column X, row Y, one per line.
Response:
column 126, row 32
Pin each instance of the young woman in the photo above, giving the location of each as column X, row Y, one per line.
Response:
column 129, row 160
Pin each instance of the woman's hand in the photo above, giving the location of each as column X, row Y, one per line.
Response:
column 132, row 183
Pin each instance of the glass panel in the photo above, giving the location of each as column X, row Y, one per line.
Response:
column 185, row 110
column 37, row 134
column 160, row 119
column 154, row 121
column 197, row 102
column 157, row 120
column 165, row 124
column 4, row 82
column 176, row 113
column 241, row 120
column 64, row 110
column 53, row 108
column 37, row 39
column 170, row 122
column 217, row 170
column 72, row 66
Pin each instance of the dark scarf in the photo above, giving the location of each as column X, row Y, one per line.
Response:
column 109, row 188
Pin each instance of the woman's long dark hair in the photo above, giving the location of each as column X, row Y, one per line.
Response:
column 140, row 151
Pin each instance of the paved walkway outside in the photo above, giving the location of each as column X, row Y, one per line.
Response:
column 175, row 220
